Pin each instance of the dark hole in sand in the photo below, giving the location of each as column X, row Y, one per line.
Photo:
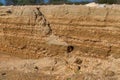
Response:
column 9, row 11
column 36, row 68
column 3, row 74
column 79, row 67
column 70, row 49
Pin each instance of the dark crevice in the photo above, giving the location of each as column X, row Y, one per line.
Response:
column 3, row 74
column 70, row 49
column 109, row 51
column 45, row 22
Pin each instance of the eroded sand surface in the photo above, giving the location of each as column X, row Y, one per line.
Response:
column 57, row 68
column 60, row 42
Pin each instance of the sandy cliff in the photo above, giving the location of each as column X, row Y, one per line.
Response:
column 59, row 42
column 94, row 31
column 30, row 31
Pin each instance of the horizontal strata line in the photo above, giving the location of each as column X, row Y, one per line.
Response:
column 105, row 30
column 85, row 25
column 29, row 37
column 19, row 27
column 78, row 33
column 84, row 18
column 32, row 29
column 79, row 43
column 60, row 25
column 90, row 40
column 117, row 43
column 115, row 31
column 19, row 24
column 88, row 33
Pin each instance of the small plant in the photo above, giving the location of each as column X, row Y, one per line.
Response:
column 107, row 1
column 1, row 4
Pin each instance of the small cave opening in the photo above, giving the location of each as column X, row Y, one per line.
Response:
column 70, row 49
column 3, row 74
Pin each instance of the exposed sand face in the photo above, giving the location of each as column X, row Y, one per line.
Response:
column 73, row 67
column 33, row 32
column 62, row 42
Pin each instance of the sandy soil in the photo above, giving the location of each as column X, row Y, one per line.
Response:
column 59, row 68
column 60, row 42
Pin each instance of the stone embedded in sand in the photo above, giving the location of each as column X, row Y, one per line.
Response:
column 78, row 61
column 109, row 73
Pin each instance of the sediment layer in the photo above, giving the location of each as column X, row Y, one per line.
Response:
column 33, row 32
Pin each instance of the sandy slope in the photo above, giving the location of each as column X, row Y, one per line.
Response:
column 57, row 68
column 60, row 42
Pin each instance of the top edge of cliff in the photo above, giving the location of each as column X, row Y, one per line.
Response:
column 92, row 4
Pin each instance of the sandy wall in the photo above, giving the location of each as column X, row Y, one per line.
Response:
column 38, row 31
